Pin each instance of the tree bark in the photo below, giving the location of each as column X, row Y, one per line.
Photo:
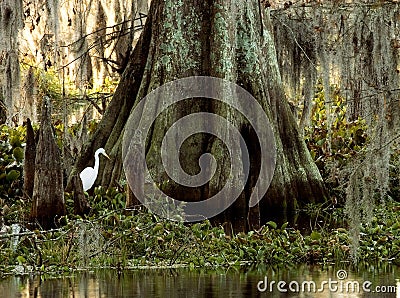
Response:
column 11, row 21
column 48, row 192
column 224, row 39
column 29, row 161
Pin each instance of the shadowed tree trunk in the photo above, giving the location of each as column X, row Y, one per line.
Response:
column 48, row 192
column 29, row 161
column 225, row 39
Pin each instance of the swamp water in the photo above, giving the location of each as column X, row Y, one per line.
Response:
column 299, row 281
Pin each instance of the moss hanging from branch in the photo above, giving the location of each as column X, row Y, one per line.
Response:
column 355, row 47
column 10, row 23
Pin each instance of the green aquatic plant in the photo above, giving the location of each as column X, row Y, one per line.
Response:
column 137, row 238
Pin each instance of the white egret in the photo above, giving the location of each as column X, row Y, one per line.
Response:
column 89, row 174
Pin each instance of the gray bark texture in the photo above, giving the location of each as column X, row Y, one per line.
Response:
column 10, row 21
column 48, row 192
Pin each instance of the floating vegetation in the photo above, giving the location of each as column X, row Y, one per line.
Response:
column 125, row 239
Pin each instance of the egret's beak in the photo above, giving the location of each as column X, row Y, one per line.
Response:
column 105, row 154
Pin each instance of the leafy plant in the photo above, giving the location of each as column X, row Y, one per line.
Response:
column 11, row 162
column 333, row 140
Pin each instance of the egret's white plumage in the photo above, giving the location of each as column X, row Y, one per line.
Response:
column 89, row 174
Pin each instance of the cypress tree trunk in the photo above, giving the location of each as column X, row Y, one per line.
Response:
column 29, row 161
column 11, row 21
column 48, row 192
column 225, row 39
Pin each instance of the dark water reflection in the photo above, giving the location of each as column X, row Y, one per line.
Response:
column 202, row 283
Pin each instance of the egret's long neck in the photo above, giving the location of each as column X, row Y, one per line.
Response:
column 96, row 163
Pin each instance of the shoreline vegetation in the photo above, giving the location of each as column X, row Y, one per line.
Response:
column 114, row 237
column 138, row 239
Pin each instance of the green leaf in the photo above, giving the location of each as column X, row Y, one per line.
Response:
column 15, row 140
column 395, row 226
column 13, row 175
column 18, row 153
column 272, row 224
column 315, row 235
column 284, row 226
column 191, row 266
column 21, row 260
